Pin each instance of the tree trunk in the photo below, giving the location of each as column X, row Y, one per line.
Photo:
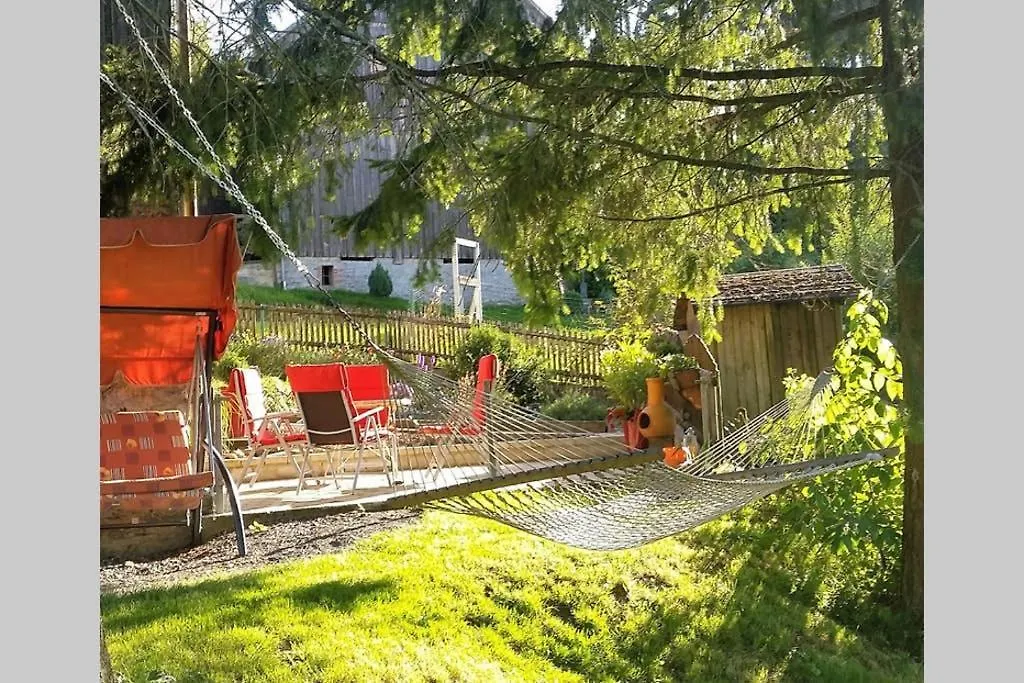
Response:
column 908, row 244
column 903, row 107
column 106, row 670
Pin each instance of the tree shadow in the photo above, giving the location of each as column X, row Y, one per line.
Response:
column 344, row 596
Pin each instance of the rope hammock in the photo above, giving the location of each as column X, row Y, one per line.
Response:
column 479, row 453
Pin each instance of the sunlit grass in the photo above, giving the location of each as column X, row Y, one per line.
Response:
column 458, row 599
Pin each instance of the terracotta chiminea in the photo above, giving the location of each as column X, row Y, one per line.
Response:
column 656, row 419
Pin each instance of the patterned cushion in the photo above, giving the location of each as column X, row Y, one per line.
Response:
column 145, row 463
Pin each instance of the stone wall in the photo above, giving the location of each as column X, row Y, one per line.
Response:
column 351, row 275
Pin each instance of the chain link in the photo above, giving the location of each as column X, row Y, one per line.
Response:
column 224, row 181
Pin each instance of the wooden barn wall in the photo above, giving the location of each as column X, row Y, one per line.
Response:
column 359, row 183
column 760, row 342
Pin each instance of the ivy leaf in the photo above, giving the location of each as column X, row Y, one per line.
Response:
column 886, row 353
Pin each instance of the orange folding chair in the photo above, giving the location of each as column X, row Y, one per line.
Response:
column 486, row 373
column 369, row 386
column 332, row 422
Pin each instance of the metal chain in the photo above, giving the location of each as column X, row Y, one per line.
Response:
column 225, row 181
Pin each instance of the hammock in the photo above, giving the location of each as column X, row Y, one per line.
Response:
column 592, row 491
column 541, row 475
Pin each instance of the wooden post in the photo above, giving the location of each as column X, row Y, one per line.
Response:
column 188, row 198
column 710, row 422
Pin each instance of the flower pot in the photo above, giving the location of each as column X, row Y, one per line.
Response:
column 631, row 433
column 656, row 419
column 692, row 394
column 688, row 378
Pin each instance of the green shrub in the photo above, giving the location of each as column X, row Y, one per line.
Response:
column 522, row 369
column 575, row 303
column 277, row 394
column 859, row 511
column 380, row 282
column 270, row 355
column 232, row 358
column 625, row 370
column 575, row 405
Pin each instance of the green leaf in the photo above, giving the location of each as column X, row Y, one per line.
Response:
column 878, row 381
column 892, row 389
column 886, row 353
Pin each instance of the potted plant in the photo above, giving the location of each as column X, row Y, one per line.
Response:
column 686, row 373
column 625, row 370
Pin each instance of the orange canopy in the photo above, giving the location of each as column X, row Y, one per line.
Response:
column 176, row 267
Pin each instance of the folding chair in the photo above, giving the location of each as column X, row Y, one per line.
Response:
column 331, row 421
column 146, row 464
column 369, row 387
column 264, row 433
column 486, row 373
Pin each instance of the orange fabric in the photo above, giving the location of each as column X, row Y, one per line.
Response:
column 164, row 262
column 187, row 482
column 149, row 349
column 368, row 386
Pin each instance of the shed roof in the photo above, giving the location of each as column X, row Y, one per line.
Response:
column 814, row 283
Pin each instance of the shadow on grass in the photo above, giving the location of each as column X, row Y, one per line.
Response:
column 343, row 596
column 237, row 599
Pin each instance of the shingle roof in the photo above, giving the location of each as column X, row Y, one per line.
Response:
column 815, row 283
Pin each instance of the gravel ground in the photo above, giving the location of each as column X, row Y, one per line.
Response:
column 272, row 544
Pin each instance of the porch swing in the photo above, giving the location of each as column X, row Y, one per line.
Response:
column 167, row 311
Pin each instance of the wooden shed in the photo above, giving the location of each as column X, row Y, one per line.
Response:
column 773, row 320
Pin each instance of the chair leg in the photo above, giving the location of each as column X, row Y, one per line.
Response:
column 302, row 466
column 261, row 460
column 254, row 463
column 332, row 467
column 359, row 466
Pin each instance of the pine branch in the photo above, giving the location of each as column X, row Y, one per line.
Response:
column 721, row 164
column 490, row 68
column 838, row 24
column 724, row 205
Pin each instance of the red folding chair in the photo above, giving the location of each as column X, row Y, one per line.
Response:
column 332, row 422
column 486, row 373
column 263, row 432
column 369, row 386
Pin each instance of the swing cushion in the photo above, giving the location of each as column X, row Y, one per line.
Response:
column 145, row 463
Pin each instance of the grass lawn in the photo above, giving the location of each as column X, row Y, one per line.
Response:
column 460, row 599
column 498, row 313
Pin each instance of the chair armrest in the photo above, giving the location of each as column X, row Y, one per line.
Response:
column 369, row 413
column 282, row 415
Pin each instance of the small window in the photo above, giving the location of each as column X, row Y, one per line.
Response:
column 327, row 276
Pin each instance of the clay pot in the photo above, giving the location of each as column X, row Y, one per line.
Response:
column 632, row 434
column 656, row 419
column 688, row 378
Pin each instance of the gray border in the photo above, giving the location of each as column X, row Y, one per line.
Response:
column 973, row 251
column 51, row 341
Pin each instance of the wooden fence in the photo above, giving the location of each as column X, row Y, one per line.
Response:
column 572, row 356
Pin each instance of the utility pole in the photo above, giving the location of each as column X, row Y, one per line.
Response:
column 188, row 199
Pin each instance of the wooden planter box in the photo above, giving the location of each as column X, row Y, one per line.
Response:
column 279, row 467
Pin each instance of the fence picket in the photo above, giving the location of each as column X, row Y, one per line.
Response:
column 572, row 356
